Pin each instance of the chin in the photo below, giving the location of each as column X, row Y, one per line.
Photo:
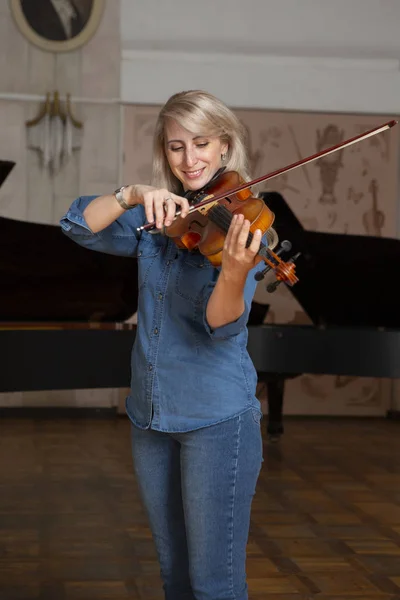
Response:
column 192, row 186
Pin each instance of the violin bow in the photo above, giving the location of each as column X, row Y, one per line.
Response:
column 295, row 165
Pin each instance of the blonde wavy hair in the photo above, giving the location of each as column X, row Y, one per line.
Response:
column 200, row 113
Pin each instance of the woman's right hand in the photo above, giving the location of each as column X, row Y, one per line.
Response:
column 160, row 205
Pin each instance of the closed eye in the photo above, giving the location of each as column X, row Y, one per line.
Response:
column 178, row 148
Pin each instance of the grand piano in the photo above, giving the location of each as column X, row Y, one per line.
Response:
column 348, row 289
column 61, row 303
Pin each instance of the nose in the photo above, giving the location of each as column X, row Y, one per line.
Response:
column 190, row 157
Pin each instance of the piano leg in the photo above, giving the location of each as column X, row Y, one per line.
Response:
column 275, row 391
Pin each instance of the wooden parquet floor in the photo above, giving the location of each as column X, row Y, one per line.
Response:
column 326, row 517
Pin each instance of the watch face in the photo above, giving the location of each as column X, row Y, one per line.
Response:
column 118, row 192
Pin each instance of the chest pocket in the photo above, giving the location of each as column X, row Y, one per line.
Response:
column 149, row 251
column 194, row 274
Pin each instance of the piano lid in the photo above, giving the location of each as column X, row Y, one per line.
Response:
column 46, row 277
column 344, row 280
column 6, row 167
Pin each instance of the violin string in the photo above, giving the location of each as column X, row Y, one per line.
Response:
column 222, row 217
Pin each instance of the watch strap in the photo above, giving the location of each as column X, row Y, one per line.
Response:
column 119, row 197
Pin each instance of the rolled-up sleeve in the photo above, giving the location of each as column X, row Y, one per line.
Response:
column 120, row 238
column 230, row 329
column 235, row 327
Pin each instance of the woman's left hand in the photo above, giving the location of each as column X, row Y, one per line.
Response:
column 237, row 260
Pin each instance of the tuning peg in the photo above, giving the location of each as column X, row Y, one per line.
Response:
column 271, row 287
column 286, row 246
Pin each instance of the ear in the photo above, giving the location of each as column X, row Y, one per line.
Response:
column 224, row 148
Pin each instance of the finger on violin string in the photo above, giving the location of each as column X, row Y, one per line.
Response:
column 236, row 226
column 254, row 245
column 231, row 228
column 239, row 218
column 243, row 233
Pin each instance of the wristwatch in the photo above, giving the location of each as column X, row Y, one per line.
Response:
column 118, row 195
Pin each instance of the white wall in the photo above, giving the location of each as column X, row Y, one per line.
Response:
column 315, row 55
column 357, row 28
column 27, row 73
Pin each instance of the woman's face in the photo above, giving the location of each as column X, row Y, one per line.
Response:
column 193, row 158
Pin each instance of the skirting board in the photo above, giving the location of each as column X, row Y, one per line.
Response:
column 393, row 415
column 54, row 412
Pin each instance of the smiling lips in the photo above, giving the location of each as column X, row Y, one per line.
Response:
column 194, row 174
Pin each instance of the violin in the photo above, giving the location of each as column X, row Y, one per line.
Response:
column 212, row 209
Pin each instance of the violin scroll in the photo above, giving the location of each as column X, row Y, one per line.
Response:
column 284, row 271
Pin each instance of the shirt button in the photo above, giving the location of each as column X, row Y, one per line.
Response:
column 160, row 296
column 156, row 331
column 150, row 367
column 139, row 254
column 168, row 263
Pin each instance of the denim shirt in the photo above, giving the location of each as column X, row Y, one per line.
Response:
column 184, row 375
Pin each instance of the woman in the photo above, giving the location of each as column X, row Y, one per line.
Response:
column 196, row 437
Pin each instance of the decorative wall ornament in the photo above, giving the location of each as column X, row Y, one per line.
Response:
column 329, row 165
column 57, row 25
column 374, row 218
column 54, row 132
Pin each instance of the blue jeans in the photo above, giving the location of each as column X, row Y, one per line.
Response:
column 197, row 488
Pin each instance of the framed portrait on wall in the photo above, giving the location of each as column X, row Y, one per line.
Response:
column 57, row 25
